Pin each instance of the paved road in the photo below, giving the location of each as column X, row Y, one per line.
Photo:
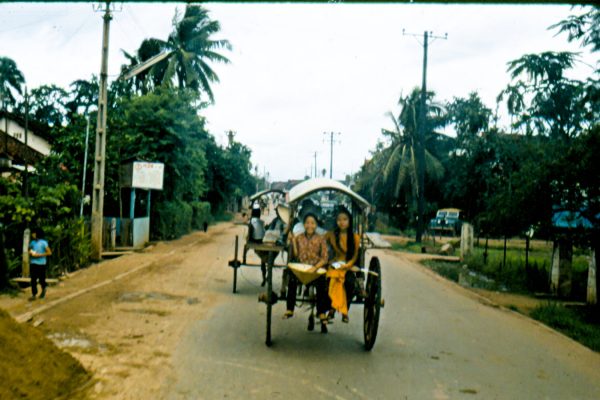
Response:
column 435, row 342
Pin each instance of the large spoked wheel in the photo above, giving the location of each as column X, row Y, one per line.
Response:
column 372, row 306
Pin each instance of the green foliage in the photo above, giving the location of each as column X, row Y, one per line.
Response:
column 446, row 269
column 200, row 214
column 47, row 105
column 583, row 27
column 70, row 244
column 163, row 126
column 172, row 220
column 224, row 216
column 580, row 324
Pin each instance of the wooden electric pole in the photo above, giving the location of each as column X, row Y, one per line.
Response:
column 100, row 153
column 420, row 143
column 26, row 174
column 331, row 142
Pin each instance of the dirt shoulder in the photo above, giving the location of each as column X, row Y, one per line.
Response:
column 122, row 318
column 32, row 367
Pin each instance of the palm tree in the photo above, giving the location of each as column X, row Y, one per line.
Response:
column 190, row 49
column 400, row 163
column 11, row 82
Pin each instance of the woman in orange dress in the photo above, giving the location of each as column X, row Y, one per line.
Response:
column 345, row 244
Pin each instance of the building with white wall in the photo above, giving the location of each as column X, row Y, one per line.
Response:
column 13, row 143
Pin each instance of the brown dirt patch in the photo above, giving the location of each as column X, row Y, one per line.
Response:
column 33, row 367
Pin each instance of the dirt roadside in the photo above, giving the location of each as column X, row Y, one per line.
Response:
column 124, row 331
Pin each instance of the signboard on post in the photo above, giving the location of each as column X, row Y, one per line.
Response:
column 143, row 175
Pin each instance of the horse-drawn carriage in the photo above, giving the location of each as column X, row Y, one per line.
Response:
column 322, row 191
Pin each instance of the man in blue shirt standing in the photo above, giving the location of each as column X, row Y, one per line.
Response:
column 38, row 251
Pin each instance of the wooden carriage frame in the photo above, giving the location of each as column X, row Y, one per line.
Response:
column 372, row 303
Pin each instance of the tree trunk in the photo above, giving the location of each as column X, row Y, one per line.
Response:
column 504, row 256
column 485, row 252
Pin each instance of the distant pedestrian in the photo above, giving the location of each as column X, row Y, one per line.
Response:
column 39, row 250
column 205, row 226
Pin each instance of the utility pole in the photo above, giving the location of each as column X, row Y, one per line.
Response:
column 316, row 164
column 100, row 153
column 26, row 175
column 420, row 148
column 331, row 142
column 231, row 137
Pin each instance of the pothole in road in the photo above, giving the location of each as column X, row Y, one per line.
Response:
column 137, row 297
column 75, row 341
column 132, row 297
column 148, row 311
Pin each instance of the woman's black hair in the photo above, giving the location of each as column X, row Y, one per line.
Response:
column 350, row 245
column 255, row 213
column 309, row 214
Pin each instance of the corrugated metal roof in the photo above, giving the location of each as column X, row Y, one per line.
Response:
column 570, row 220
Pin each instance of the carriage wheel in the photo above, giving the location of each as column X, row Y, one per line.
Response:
column 372, row 305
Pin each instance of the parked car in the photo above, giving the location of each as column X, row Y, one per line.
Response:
column 447, row 220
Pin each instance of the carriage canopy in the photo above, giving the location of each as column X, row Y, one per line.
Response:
column 265, row 192
column 306, row 188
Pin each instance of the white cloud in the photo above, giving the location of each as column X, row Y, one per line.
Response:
column 300, row 69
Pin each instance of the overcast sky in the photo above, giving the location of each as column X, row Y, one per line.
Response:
column 298, row 70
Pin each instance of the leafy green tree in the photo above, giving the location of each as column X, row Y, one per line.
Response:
column 470, row 118
column 11, row 82
column 191, row 49
column 48, row 105
column 546, row 102
column 83, row 96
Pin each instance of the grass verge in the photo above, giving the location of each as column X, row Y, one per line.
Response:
column 581, row 323
column 446, row 269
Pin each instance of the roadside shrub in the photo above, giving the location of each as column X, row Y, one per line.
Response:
column 578, row 324
column 200, row 214
column 173, row 219
column 70, row 244
column 224, row 216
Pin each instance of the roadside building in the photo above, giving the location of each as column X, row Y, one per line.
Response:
column 15, row 154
